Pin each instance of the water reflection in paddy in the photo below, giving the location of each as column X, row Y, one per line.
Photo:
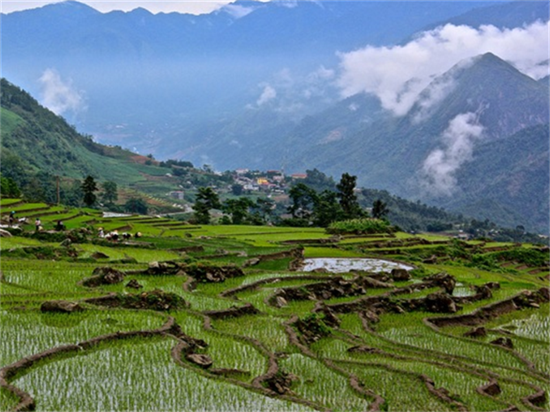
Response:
column 343, row 265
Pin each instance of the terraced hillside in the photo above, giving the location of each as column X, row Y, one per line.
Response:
column 229, row 318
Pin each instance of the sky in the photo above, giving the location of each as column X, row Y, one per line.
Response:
column 181, row 6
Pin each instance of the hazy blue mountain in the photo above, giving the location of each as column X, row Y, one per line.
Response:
column 174, row 74
column 509, row 15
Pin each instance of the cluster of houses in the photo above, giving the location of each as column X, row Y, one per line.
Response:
column 273, row 183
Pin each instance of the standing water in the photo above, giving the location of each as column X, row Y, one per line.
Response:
column 343, row 265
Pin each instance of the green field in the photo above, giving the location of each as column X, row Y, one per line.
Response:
column 312, row 342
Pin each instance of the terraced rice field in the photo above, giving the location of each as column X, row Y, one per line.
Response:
column 265, row 335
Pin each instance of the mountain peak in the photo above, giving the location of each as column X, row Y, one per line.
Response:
column 491, row 65
column 71, row 6
column 489, row 58
column 140, row 11
column 63, row 9
column 503, row 96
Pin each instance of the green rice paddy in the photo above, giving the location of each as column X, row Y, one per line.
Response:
column 398, row 355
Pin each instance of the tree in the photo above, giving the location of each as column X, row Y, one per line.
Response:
column 72, row 194
column 348, row 199
column 136, row 205
column 303, row 201
column 238, row 209
column 262, row 210
column 3, row 185
column 237, row 189
column 206, row 200
column 110, row 194
column 13, row 189
column 9, row 188
column 37, row 188
column 379, row 209
column 318, row 180
column 89, row 186
column 327, row 209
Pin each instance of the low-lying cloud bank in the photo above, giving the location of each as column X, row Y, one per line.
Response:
column 398, row 74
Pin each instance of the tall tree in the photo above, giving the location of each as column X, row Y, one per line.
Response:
column 136, row 205
column 262, row 210
column 379, row 209
column 3, row 185
column 303, row 200
column 13, row 189
column 110, row 193
column 72, row 194
column 348, row 199
column 89, row 186
column 206, row 200
column 237, row 189
column 319, row 181
column 238, row 209
column 327, row 209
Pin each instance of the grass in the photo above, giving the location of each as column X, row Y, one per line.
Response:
column 401, row 391
column 150, row 382
column 141, row 255
column 42, row 331
column 322, row 385
column 140, row 375
column 267, row 330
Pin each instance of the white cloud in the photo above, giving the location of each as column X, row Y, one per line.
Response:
column 316, row 82
column 268, row 93
column 296, row 93
column 59, row 95
column 398, row 74
column 439, row 168
column 436, row 91
column 287, row 3
column 237, row 11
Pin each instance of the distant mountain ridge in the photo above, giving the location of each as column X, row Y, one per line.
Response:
column 170, row 65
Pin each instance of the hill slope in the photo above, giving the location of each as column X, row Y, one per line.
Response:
column 515, row 178
column 35, row 140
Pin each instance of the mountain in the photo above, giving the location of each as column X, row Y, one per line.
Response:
column 397, row 153
column 509, row 176
column 145, row 76
column 506, row 15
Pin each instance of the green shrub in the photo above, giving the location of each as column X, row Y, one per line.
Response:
column 360, row 226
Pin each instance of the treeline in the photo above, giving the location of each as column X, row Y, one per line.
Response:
column 239, row 211
column 407, row 215
column 319, row 201
column 307, row 207
column 413, row 216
